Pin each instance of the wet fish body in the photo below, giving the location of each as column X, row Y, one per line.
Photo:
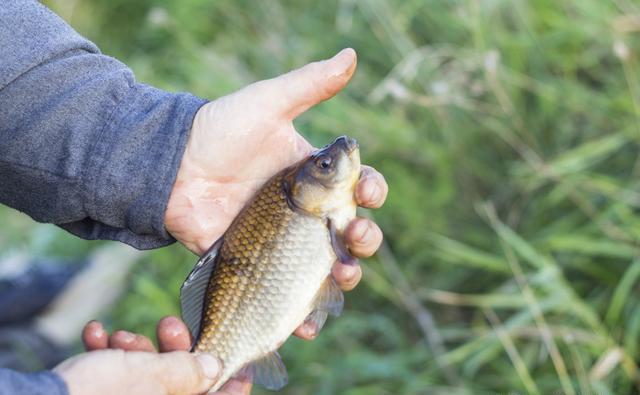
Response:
column 271, row 269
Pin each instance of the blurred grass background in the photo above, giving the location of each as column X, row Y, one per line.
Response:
column 508, row 132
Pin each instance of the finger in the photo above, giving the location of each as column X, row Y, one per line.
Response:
column 346, row 276
column 372, row 188
column 306, row 331
column 308, row 85
column 173, row 335
column 94, row 336
column 363, row 237
column 180, row 372
column 128, row 341
column 235, row 387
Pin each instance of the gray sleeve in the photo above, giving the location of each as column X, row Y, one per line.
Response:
column 17, row 383
column 82, row 144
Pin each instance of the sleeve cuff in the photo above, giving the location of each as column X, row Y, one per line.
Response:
column 133, row 165
column 46, row 382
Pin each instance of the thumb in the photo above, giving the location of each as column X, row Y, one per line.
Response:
column 293, row 93
column 181, row 372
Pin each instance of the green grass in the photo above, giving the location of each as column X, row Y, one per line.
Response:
column 508, row 132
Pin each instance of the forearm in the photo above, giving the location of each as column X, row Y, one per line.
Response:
column 17, row 383
column 82, row 145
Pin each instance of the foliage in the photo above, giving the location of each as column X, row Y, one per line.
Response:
column 508, row 132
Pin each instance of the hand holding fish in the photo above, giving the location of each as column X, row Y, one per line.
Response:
column 124, row 364
column 127, row 363
column 237, row 143
column 241, row 140
column 172, row 335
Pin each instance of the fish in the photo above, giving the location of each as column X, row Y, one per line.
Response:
column 271, row 270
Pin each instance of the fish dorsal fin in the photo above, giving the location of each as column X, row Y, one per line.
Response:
column 329, row 298
column 268, row 371
column 192, row 292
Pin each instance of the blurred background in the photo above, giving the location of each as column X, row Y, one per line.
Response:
column 509, row 134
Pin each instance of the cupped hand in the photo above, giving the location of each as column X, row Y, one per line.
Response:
column 173, row 339
column 239, row 141
column 135, row 370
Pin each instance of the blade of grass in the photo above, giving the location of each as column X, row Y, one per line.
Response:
column 622, row 293
column 509, row 240
column 512, row 351
column 422, row 315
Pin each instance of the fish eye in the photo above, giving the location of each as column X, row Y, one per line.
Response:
column 323, row 162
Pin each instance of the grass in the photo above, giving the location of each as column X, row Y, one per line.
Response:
column 508, row 133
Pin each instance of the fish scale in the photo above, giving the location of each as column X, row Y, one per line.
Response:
column 263, row 273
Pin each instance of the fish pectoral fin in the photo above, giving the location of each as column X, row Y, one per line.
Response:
column 193, row 290
column 317, row 318
column 268, row 371
column 339, row 247
column 329, row 298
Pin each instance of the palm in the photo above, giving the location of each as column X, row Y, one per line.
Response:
column 253, row 138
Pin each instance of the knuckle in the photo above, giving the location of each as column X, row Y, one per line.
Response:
column 194, row 374
column 202, row 245
column 361, row 233
column 366, row 171
column 179, row 372
column 318, row 81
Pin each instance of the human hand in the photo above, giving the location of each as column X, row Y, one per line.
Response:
column 131, row 372
column 239, row 141
column 172, row 335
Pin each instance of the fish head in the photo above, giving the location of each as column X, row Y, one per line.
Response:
column 324, row 183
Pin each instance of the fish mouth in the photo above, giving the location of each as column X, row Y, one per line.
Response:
column 350, row 147
column 348, row 144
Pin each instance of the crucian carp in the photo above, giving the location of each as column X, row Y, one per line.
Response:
column 271, row 270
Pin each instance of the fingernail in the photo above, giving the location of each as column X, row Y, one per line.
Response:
column 349, row 274
column 210, row 365
column 171, row 326
column 95, row 325
column 368, row 192
column 342, row 61
column 126, row 337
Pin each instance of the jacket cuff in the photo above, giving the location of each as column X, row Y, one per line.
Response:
column 133, row 165
column 45, row 383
